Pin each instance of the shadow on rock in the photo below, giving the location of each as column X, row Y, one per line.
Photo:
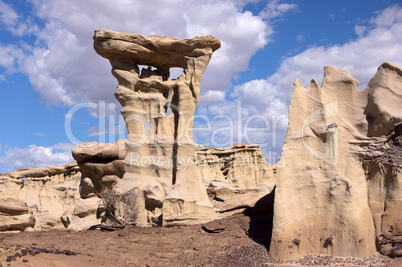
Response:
column 261, row 219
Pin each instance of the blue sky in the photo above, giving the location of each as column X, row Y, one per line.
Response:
column 50, row 76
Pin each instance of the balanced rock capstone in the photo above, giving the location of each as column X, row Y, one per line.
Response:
column 159, row 114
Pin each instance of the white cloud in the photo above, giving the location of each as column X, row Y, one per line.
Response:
column 257, row 115
column 63, row 67
column 9, row 57
column 359, row 30
column 300, row 38
column 274, row 9
column 7, row 14
column 33, row 156
column 382, row 41
column 95, row 131
column 212, row 96
column 63, row 146
column 14, row 23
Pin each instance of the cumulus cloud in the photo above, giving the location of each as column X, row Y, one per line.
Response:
column 63, row 67
column 9, row 56
column 270, row 98
column 34, row 156
column 382, row 41
column 212, row 96
column 14, row 23
column 276, row 9
column 7, row 14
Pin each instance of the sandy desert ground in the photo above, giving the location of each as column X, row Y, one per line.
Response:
column 224, row 242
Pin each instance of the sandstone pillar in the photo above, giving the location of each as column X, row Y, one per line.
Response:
column 159, row 114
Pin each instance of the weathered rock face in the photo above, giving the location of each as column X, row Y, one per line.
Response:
column 391, row 239
column 43, row 193
column 70, row 197
column 159, row 164
column 241, row 165
column 101, row 165
column 341, row 186
column 14, row 215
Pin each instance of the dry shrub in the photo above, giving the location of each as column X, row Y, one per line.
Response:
column 120, row 209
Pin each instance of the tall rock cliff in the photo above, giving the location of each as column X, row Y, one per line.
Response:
column 341, row 187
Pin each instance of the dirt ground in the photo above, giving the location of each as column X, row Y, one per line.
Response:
column 224, row 242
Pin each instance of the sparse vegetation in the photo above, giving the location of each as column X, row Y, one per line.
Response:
column 120, row 209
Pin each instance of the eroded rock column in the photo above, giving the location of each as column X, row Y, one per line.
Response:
column 339, row 191
column 159, row 113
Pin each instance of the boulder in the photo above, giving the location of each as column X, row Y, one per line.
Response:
column 391, row 239
column 14, row 215
column 12, row 206
column 48, row 222
column 83, row 215
column 94, row 151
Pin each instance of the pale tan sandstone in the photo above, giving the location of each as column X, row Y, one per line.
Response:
column 241, row 201
column 241, row 165
column 91, row 151
column 391, row 239
column 14, row 215
column 48, row 222
column 58, row 198
column 159, row 164
column 47, row 194
column 37, row 172
column 101, row 165
column 85, row 213
column 334, row 194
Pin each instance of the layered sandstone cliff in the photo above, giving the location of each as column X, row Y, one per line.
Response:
column 70, row 197
column 241, row 165
column 42, row 195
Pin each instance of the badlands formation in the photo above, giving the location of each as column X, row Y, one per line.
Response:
column 338, row 192
column 341, row 190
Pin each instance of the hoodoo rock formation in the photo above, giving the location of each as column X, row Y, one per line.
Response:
column 70, row 197
column 158, row 112
column 101, row 166
column 341, row 190
column 336, row 190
